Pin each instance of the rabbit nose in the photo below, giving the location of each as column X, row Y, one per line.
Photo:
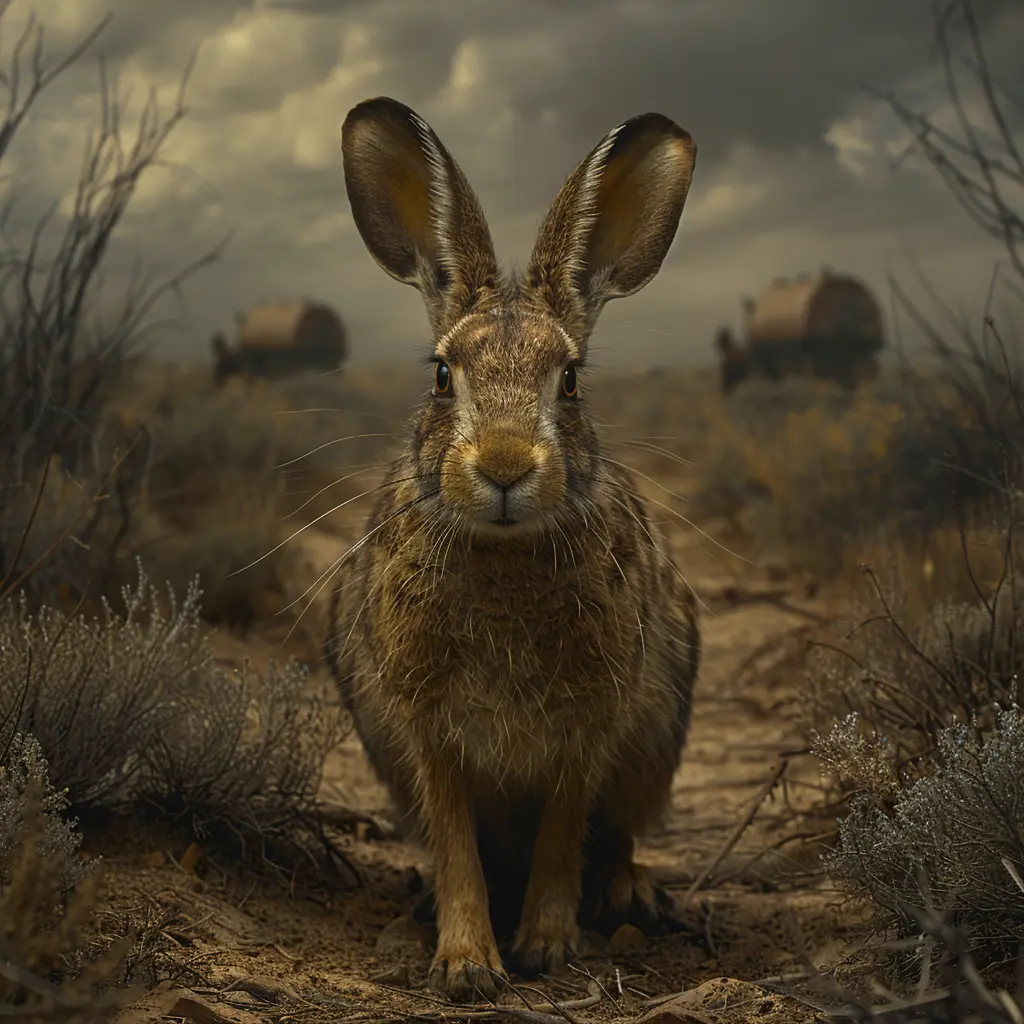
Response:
column 504, row 459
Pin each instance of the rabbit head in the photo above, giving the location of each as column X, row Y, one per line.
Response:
column 503, row 444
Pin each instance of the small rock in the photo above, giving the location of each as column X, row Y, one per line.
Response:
column 198, row 1011
column 627, row 939
column 695, row 1005
column 395, row 977
column 676, row 1011
column 403, row 936
column 191, row 858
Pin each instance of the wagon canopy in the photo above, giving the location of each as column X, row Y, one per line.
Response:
column 302, row 325
column 810, row 310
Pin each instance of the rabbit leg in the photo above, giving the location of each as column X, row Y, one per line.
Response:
column 467, row 964
column 548, row 933
column 619, row 891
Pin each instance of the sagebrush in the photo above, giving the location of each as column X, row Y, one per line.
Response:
column 950, row 839
column 916, row 721
column 27, row 794
column 133, row 715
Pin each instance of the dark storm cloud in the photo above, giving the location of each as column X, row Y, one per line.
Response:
column 793, row 167
column 774, row 75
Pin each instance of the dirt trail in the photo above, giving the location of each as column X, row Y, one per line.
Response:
column 754, row 913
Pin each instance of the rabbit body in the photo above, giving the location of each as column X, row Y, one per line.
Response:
column 516, row 648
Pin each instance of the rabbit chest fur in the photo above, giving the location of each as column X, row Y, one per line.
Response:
column 524, row 661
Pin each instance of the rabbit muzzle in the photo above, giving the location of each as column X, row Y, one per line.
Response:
column 506, row 481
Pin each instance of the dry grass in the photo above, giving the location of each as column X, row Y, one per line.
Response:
column 220, row 480
column 803, row 470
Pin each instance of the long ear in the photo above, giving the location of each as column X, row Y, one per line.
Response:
column 612, row 223
column 415, row 210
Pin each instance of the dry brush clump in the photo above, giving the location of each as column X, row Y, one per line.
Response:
column 133, row 716
column 917, row 722
column 952, row 838
column 44, row 932
column 48, row 900
column 64, row 954
column 204, row 501
column 29, row 802
column 803, row 469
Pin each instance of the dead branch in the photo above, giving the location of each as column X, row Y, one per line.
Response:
column 978, row 173
column 734, row 837
column 57, row 357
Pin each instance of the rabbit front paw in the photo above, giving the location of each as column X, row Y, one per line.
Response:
column 467, row 976
column 548, row 943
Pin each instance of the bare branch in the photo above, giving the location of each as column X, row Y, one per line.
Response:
column 55, row 366
column 971, row 168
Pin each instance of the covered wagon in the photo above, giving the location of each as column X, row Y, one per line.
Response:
column 282, row 339
column 826, row 325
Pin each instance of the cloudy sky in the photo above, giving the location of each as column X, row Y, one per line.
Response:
column 794, row 166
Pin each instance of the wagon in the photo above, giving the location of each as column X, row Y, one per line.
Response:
column 280, row 340
column 826, row 325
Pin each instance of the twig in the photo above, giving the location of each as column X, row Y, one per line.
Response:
column 734, row 836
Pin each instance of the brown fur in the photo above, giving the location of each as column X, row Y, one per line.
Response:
column 517, row 650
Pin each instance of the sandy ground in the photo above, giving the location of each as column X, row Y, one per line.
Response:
column 251, row 949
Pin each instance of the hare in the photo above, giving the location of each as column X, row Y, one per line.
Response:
column 516, row 649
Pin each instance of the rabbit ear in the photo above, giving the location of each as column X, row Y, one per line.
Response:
column 612, row 223
column 415, row 210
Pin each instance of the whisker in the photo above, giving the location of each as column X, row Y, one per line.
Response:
column 375, row 586
column 335, row 566
column 668, row 508
column 327, row 487
column 373, row 589
column 332, row 409
column 654, row 449
column 327, row 444
column 671, row 561
column 313, row 522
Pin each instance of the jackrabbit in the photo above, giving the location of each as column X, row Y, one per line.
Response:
column 516, row 648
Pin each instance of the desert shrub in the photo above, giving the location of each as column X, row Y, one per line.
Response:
column 953, row 838
column 206, row 446
column 47, row 896
column 73, row 530
column 133, row 714
column 26, row 790
column 806, row 470
column 65, row 953
column 43, row 976
column 202, row 501
column 916, row 721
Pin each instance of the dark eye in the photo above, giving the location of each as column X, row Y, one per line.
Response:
column 442, row 378
column 569, row 384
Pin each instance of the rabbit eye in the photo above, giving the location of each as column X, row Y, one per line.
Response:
column 442, row 378
column 569, row 382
